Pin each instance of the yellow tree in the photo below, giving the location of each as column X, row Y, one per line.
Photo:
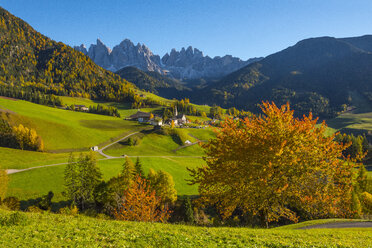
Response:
column 140, row 203
column 163, row 184
column 269, row 165
column 3, row 184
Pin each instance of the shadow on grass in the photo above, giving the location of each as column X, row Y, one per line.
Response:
column 24, row 204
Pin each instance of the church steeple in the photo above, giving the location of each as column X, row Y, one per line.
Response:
column 175, row 111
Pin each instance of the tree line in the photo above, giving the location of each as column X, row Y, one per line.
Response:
column 30, row 95
column 19, row 136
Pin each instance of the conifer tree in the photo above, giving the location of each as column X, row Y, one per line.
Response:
column 138, row 167
column 81, row 179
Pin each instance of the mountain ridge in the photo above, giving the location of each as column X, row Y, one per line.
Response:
column 315, row 74
column 188, row 63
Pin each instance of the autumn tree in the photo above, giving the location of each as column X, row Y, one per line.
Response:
column 273, row 164
column 116, row 186
column 3, row 184
column 129, row 171
column 162, row 183
column 140, row 203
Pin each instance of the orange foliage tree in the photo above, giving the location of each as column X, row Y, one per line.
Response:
column 140, row 203
column 271, row 164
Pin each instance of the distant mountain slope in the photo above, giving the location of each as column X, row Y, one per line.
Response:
column 32, row 61
column 154, row 82
column 316, row 75
column 186, row 64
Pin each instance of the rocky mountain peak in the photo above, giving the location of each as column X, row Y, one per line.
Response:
column 81, row 48
column 188, row 63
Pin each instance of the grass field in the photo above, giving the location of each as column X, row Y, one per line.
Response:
column 161, row 145
column 37, row 182
column 52, row 230
column 19, row 159
column 63, row 129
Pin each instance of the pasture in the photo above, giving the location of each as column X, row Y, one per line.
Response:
column 47, row 229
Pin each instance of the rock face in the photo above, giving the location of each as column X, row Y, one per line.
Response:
column 127, row 54
column 186, row 64
column 191, row 63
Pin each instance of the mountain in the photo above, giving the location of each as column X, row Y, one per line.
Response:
column 321, row 75
column 186, row 64
column 30, row 61
column 154, row 82
column 191, row 64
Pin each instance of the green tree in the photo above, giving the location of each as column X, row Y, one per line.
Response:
column 138, row 167
column 188, row 212
column 128, row 171
column 81, row 179
column 362, row 179
column 163, row 184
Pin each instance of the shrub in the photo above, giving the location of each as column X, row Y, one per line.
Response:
column 11, row 203
column 366, row 201
column 46, row 201
column 73, row 210
column 34, row 209
column 16, row 218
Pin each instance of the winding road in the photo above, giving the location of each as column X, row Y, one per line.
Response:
column 107, row 157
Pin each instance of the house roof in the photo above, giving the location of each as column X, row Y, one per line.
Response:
column 140, row 114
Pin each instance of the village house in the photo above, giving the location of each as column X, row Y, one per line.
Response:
column 156, row 121
column 144, row 117
column 81, row 108
column 140, row 117
column 94, row 148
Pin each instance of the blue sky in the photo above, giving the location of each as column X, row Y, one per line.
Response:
column 245, row 29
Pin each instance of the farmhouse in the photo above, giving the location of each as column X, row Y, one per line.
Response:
column 140, row 116
column 94, row 148
column 156, row 121
column 81, row 108
column 145, row 117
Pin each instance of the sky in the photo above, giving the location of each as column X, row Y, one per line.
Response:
column 242, row 28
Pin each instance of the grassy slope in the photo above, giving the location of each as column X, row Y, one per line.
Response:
column 156, row 144
column 123, row 108
column 35, row 183
column 63, row 129
column 360, row 118
column 18, row 159
column 52, row 230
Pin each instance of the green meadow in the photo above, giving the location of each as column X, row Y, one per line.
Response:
column 36, row 230
column 34, row 183
column 69, row 130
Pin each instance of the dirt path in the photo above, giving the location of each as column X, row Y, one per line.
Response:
column 107, row 157
column 100, row 151
column 351, row 224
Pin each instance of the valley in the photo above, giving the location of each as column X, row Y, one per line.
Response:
column 104, row 147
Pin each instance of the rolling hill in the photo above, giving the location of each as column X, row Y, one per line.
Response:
column 154, row 82
column 48, row 229
column 31, row 62
column 316, row 74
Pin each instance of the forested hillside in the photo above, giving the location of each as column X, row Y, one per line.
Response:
column 154, row 82
column 315, row 75
column 30, row 61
